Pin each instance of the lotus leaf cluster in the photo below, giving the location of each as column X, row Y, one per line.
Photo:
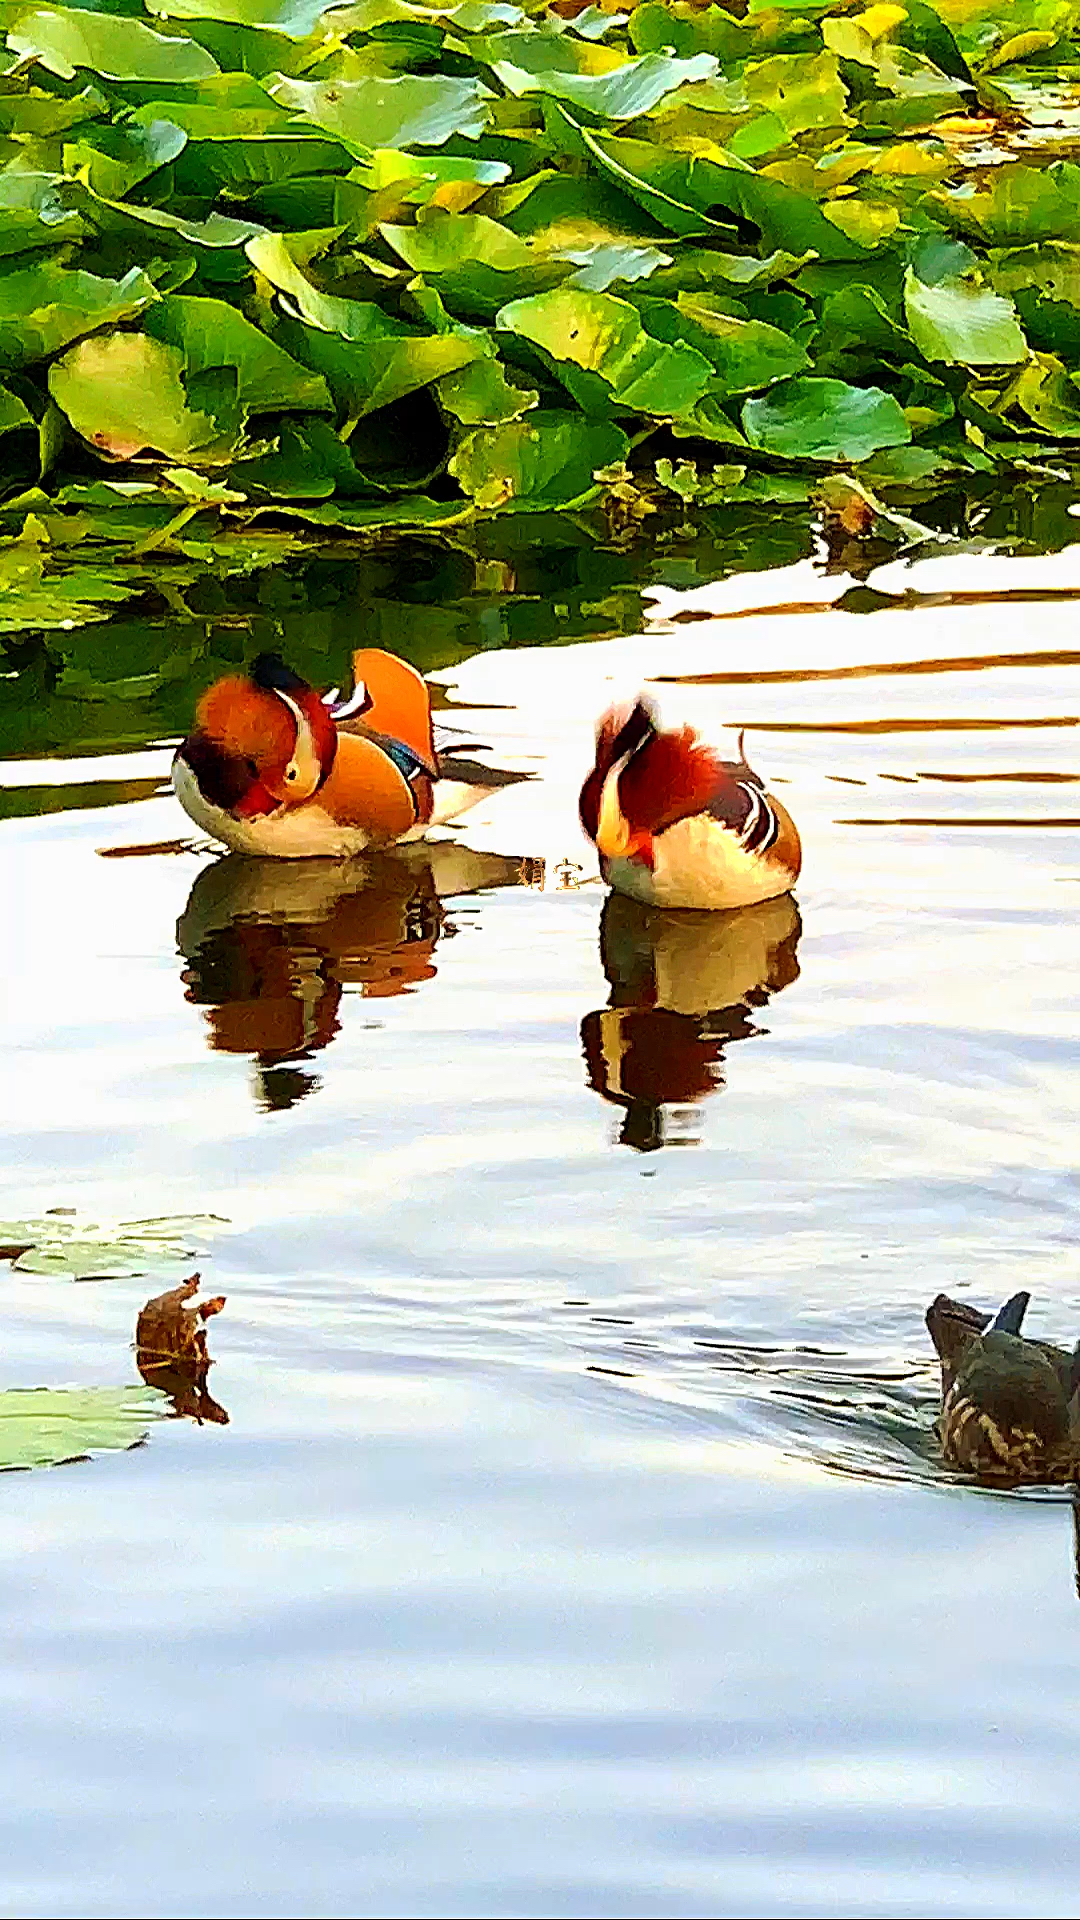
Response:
column 396, row 264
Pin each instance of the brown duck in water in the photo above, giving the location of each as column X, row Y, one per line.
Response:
column 1009, row 1405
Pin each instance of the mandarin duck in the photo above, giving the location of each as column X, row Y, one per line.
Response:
column 677, row 826
column 683, row 987
column 273, row 768
column 1009, row 1406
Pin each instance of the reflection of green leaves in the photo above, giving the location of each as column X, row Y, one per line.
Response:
column 824, row 420
column 48, row 1426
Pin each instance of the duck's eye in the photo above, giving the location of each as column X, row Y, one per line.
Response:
column 290, row 773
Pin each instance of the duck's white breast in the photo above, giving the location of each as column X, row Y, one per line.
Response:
column 699, row 863
column 295, row 833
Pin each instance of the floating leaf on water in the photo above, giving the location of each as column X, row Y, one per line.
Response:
column 418, row 110
column 64, row 39
column 77, row 1250
column 963, row 323
column 49, row 1426
column 125, row 392
column 604, row 337
column 811, row 419
column 546, row 460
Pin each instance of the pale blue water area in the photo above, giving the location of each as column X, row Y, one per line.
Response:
column 577, row 1542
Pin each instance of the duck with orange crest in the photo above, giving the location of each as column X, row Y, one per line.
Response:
column 272, row 767
column 677, row 826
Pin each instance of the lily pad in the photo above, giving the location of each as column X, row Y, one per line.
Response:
column 124, row 392
column 604, row 337
column 418, row 110
column 963, row 323
column 65, row 1246
column 64, row 39
column 546, row 460
column 810, row 419
column 49, row 1426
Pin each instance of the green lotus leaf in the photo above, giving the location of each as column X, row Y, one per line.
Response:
column 963, row 323
column 13, row 412
column 210, row 334
column 1053, row 268
column 48, row 1426
column 44, row 308
column 1019, row 204
column 114, row 47
column 141, row 224
column 604, row 337
column 119, row 158
column 481, row 395
column 676, row 189
column 381, row 364
column 473, row 261
column 744, row 354
column 77, row 1249
column 629, row 90
column 418, row 110
column 1048, row 396
column 450, row 181
column 36, row 211
column 296, row 18
column 800, row 92
column 812, row 419
column 604, row 265
column 545, row 461
column 124, row 393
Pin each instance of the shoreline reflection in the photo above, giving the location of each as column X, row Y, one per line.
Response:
column 271, row 945
column 683, row 987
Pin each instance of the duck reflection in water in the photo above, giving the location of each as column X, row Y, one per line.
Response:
column 271, row 945
column 683, row 987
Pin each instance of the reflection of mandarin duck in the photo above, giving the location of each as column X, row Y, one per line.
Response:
column 270, row 949
column 1009, row 1405
column 270, row 768
column 682, row 988
column 677, row 826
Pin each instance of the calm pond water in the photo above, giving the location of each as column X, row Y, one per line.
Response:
column 576, row 1542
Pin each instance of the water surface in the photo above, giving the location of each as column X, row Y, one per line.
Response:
column 577, row 1542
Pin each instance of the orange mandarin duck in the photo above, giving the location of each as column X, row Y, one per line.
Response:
column 271, row 767
column 677, row 826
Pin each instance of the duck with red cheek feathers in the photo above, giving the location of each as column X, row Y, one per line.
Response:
column 272, row 768
column 677, row 826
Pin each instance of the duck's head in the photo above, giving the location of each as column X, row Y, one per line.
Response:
column 1006, row 1410
column 261, row 740
column 642, row 781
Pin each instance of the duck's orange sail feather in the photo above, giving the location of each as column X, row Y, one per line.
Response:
column 400, row 702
